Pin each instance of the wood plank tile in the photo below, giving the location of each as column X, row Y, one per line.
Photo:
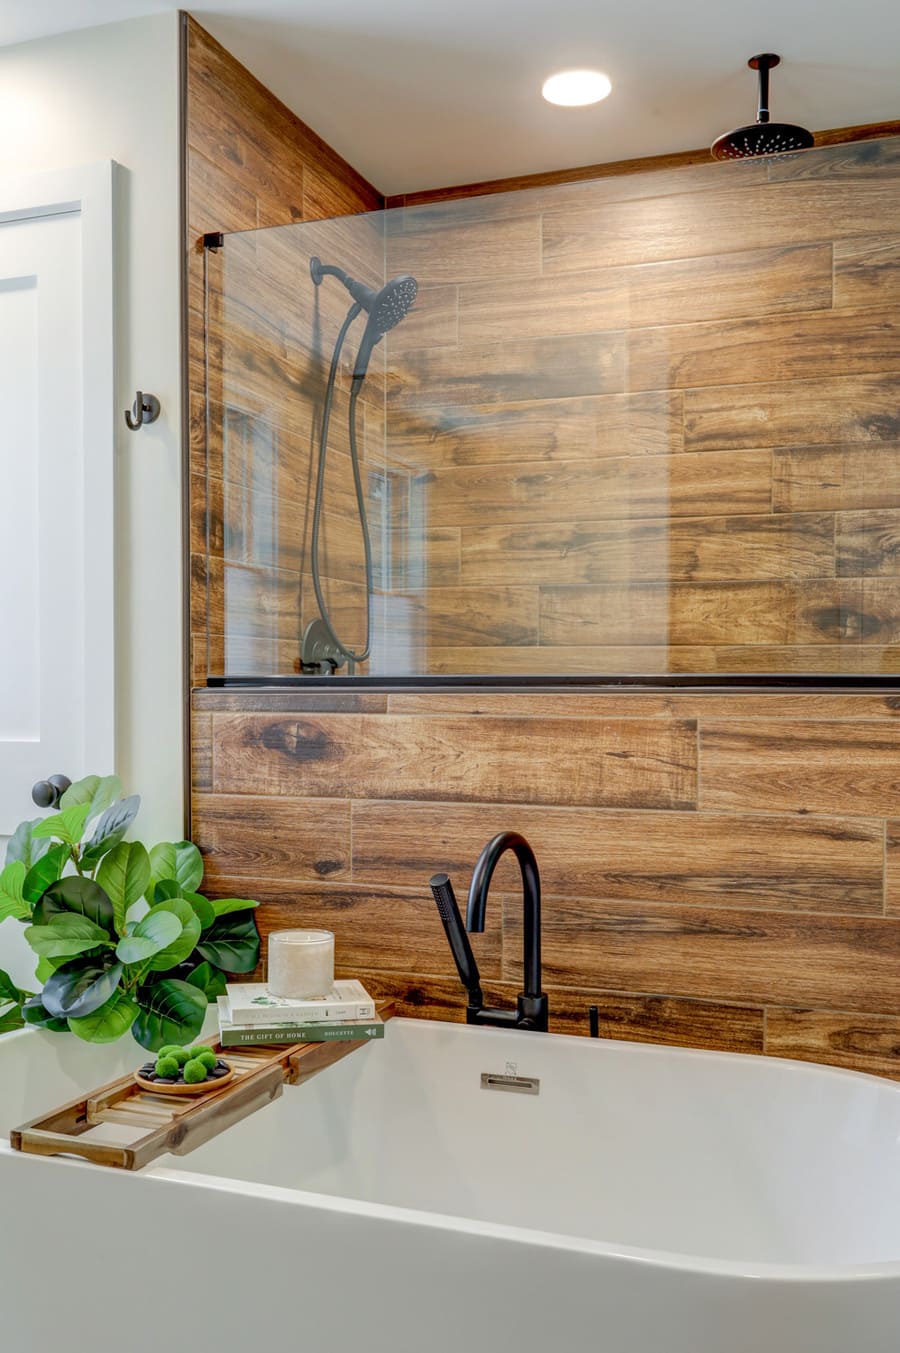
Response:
column 752, row 283
column 397, row 928
column 468, row 251
column 881, row 610
column 487, row 617
column 703, row 613
column 290, row 699
column 869, row 1043
column 793, row 413
column 781, row 348
column 433, row 322
column 833, row 766
column 213, row 183
column 201, row 750
column 849, row 658
column 295, row 839
column 857, row 159
column 633, row 486
column 245, row 656
column 691, row 548
column 754, row 957
column 627, row 763
column 538, row 430
column 868, row 543
column 500, row 373
column 892, row 866
column 603, row 660
column 832, row 478
column 628, row 704
column 260, row 602
column 774, row 862
column 659, row 1019
column 635, row 1018
column 691, row 225
column 417, row 557
column 533, row 660
column 682, row 172
column 234, row 118
column 867, row 271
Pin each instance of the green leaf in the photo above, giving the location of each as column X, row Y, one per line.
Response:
column 171, row 1011
column 110, row 829
column 180, row 948
column 67, row 826
column 201, row 905
column 188, row 866
column 162, row 866
column 67, row 935
column 157, row 930
column 223, row 906
column 35, row 1014
column 123, row 876
column 180, row 861
column 110, row 1021
column 232, row 943
column 207, row 979
column 98, row 792
column 80, row 895
column 45, row 969
column 12, row 901
column 8, row 989
column 22, row 845
column 11, row 1020
column 46, row 871
column 80, row 988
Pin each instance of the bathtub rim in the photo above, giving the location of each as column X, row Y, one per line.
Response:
column 666, row 1260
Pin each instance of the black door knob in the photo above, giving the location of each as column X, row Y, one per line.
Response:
column 47, row 793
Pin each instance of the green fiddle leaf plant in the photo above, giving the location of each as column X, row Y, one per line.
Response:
column 125, row 941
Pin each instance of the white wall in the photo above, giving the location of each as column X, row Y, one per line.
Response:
column 111, row 93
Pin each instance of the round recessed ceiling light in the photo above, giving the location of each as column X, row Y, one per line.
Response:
column 576, row 88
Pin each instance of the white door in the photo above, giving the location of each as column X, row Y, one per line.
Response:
column 56, row 493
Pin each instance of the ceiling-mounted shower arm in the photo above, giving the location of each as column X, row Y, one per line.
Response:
column 763, row 63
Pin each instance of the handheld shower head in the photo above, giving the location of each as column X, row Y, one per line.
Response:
column 385, row 308
column 389, row 306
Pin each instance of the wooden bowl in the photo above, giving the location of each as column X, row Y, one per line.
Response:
column 206, row 1087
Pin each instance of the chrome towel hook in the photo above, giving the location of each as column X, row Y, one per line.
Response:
column 145, row 409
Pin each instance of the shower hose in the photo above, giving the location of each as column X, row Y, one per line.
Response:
column 350, row 654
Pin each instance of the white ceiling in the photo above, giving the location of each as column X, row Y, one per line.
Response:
column 426, row 93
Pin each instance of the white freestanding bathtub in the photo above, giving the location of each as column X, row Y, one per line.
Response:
column 645, row 1200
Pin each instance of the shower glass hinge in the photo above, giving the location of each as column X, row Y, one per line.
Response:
column 213, row 239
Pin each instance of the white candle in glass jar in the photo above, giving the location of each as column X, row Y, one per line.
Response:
column 301, row 963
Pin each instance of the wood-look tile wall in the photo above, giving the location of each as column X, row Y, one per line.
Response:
column 719, row 870
column 251, row 163
column 658, row 417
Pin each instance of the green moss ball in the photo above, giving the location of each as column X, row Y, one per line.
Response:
column 181, row 1055
column 206, row 1056
column 166, row 1066
column 194, row 1072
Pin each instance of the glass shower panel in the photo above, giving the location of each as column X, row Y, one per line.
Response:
column 641, row 424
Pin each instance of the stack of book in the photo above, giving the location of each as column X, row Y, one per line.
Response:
column 249, row 1013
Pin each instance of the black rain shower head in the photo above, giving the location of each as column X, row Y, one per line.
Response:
column 385, row 308
column 761, row 137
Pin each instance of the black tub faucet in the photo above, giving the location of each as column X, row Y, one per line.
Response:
column 532, row 1011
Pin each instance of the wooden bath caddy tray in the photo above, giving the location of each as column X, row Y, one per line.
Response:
column 164, row 1123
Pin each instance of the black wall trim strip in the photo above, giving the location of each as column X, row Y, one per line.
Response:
column 720, row 684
